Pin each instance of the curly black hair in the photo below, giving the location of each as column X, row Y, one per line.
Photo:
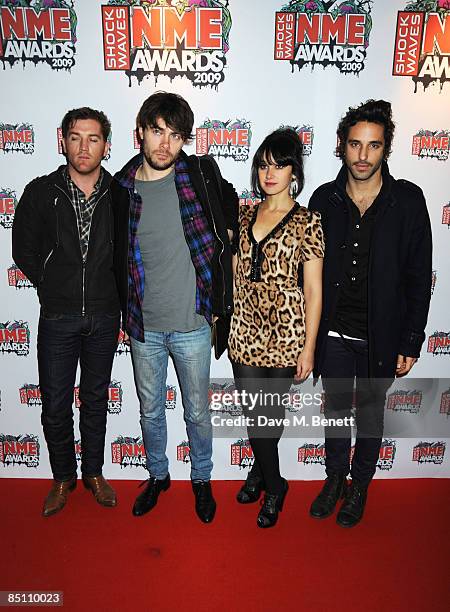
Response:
column 373, row 111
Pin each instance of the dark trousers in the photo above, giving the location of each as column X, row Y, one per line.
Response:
column 63, row 340
column 346, row 362
column 274, row 382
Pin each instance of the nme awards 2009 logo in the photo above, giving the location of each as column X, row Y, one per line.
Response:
column 431, row 144
column 122, row 347
column 224, row 139
column 128, row 452
column 19, row 450
column 429, row 452
column 184, row 452
column 404, row 401
column 30, row 395
column 15, row 338
column 444, row 407
column 248, row 198
column 115, row 397
column 17, row 279
column 38, row 31
column 181, row 38
column 311, row 454
column 422, row 43
column 18, row 138
column 242, row 454
column 8, row 203
column 310, row 33
column 439, row 343
column 445, row 214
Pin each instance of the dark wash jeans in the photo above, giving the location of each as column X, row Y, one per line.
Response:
column 63, row 340
column 347, row 360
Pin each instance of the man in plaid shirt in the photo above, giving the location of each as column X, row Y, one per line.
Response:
column 181, row 215
column 63, row 240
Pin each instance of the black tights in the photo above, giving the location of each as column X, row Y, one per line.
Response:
column 264, row 440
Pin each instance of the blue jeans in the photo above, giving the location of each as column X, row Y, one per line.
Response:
column 191, row 354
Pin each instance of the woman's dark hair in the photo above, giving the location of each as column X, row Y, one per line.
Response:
column 172, row 108
column 373, row 111
column 85, row 112
column 285, row 149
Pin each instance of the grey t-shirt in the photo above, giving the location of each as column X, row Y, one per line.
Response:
column 170, row 281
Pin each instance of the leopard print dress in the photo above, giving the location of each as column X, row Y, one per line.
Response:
column 268, row 324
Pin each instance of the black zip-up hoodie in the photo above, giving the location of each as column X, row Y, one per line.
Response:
column 46, row 247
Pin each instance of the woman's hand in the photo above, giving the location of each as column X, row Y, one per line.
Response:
column 305, row 364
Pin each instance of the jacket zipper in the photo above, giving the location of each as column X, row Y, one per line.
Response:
column 217, row 236
column 57, row 243
column 83, row 261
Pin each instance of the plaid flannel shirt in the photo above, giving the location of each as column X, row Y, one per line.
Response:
column 199, row 237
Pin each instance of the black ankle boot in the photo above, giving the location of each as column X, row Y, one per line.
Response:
column 251, row 490
column 271, row 505
column 352, row 509
column 334, row 488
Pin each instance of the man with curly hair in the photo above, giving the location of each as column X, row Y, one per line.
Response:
column 376, row 295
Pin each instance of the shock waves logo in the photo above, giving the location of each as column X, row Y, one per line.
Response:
column 115, row 396
column 15, row 338
column 38, row 31
column 19, row 138
column 242, row 454
column 184, row 452
column 306, row 135
column 17, row 279
column 439, row 343
column 30, row 395
column 405, row 401
column 445, row 214
column 324, row 33
column 311, row 454
column 248, row 198
column 8, row 203
column 386, row 455
column 444, row 407
column 431, row 144
column 128, row 452
column 429, row 452
column 422, row 43
column 224, row 139
column 181, row 38
column 19, row 450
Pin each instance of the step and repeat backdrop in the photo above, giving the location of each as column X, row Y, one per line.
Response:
column 246, row 67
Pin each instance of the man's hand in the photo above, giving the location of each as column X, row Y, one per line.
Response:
column 404, row 365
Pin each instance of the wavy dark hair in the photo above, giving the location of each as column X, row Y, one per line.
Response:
column 373, row 111
column 285, row 148
column 172, row 108
column 85, row 112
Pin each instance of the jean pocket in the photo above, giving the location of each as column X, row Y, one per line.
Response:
column 51, row 316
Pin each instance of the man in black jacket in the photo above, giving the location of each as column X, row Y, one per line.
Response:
column 181, row 215
column 63, row 241
column 376, row 295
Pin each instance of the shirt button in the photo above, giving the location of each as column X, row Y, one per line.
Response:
column 355, row 244
column 353, row 278
column 336, row 284
column 354, row 262
column 357, row 226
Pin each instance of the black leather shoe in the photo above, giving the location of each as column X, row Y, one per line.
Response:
column 251, row 490
column 149, row 496
column 352, row 509
column 205, row 505
column 271, row 505
column 334, row 488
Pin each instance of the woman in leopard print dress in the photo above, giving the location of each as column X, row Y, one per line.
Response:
column 275, row 321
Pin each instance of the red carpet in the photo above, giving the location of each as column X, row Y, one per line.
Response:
column 105, row 559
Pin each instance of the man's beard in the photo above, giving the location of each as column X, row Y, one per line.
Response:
column 160, row 165
column 367, row 174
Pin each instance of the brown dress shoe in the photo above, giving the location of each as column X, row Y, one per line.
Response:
column 101, row 489
column 57, row 497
